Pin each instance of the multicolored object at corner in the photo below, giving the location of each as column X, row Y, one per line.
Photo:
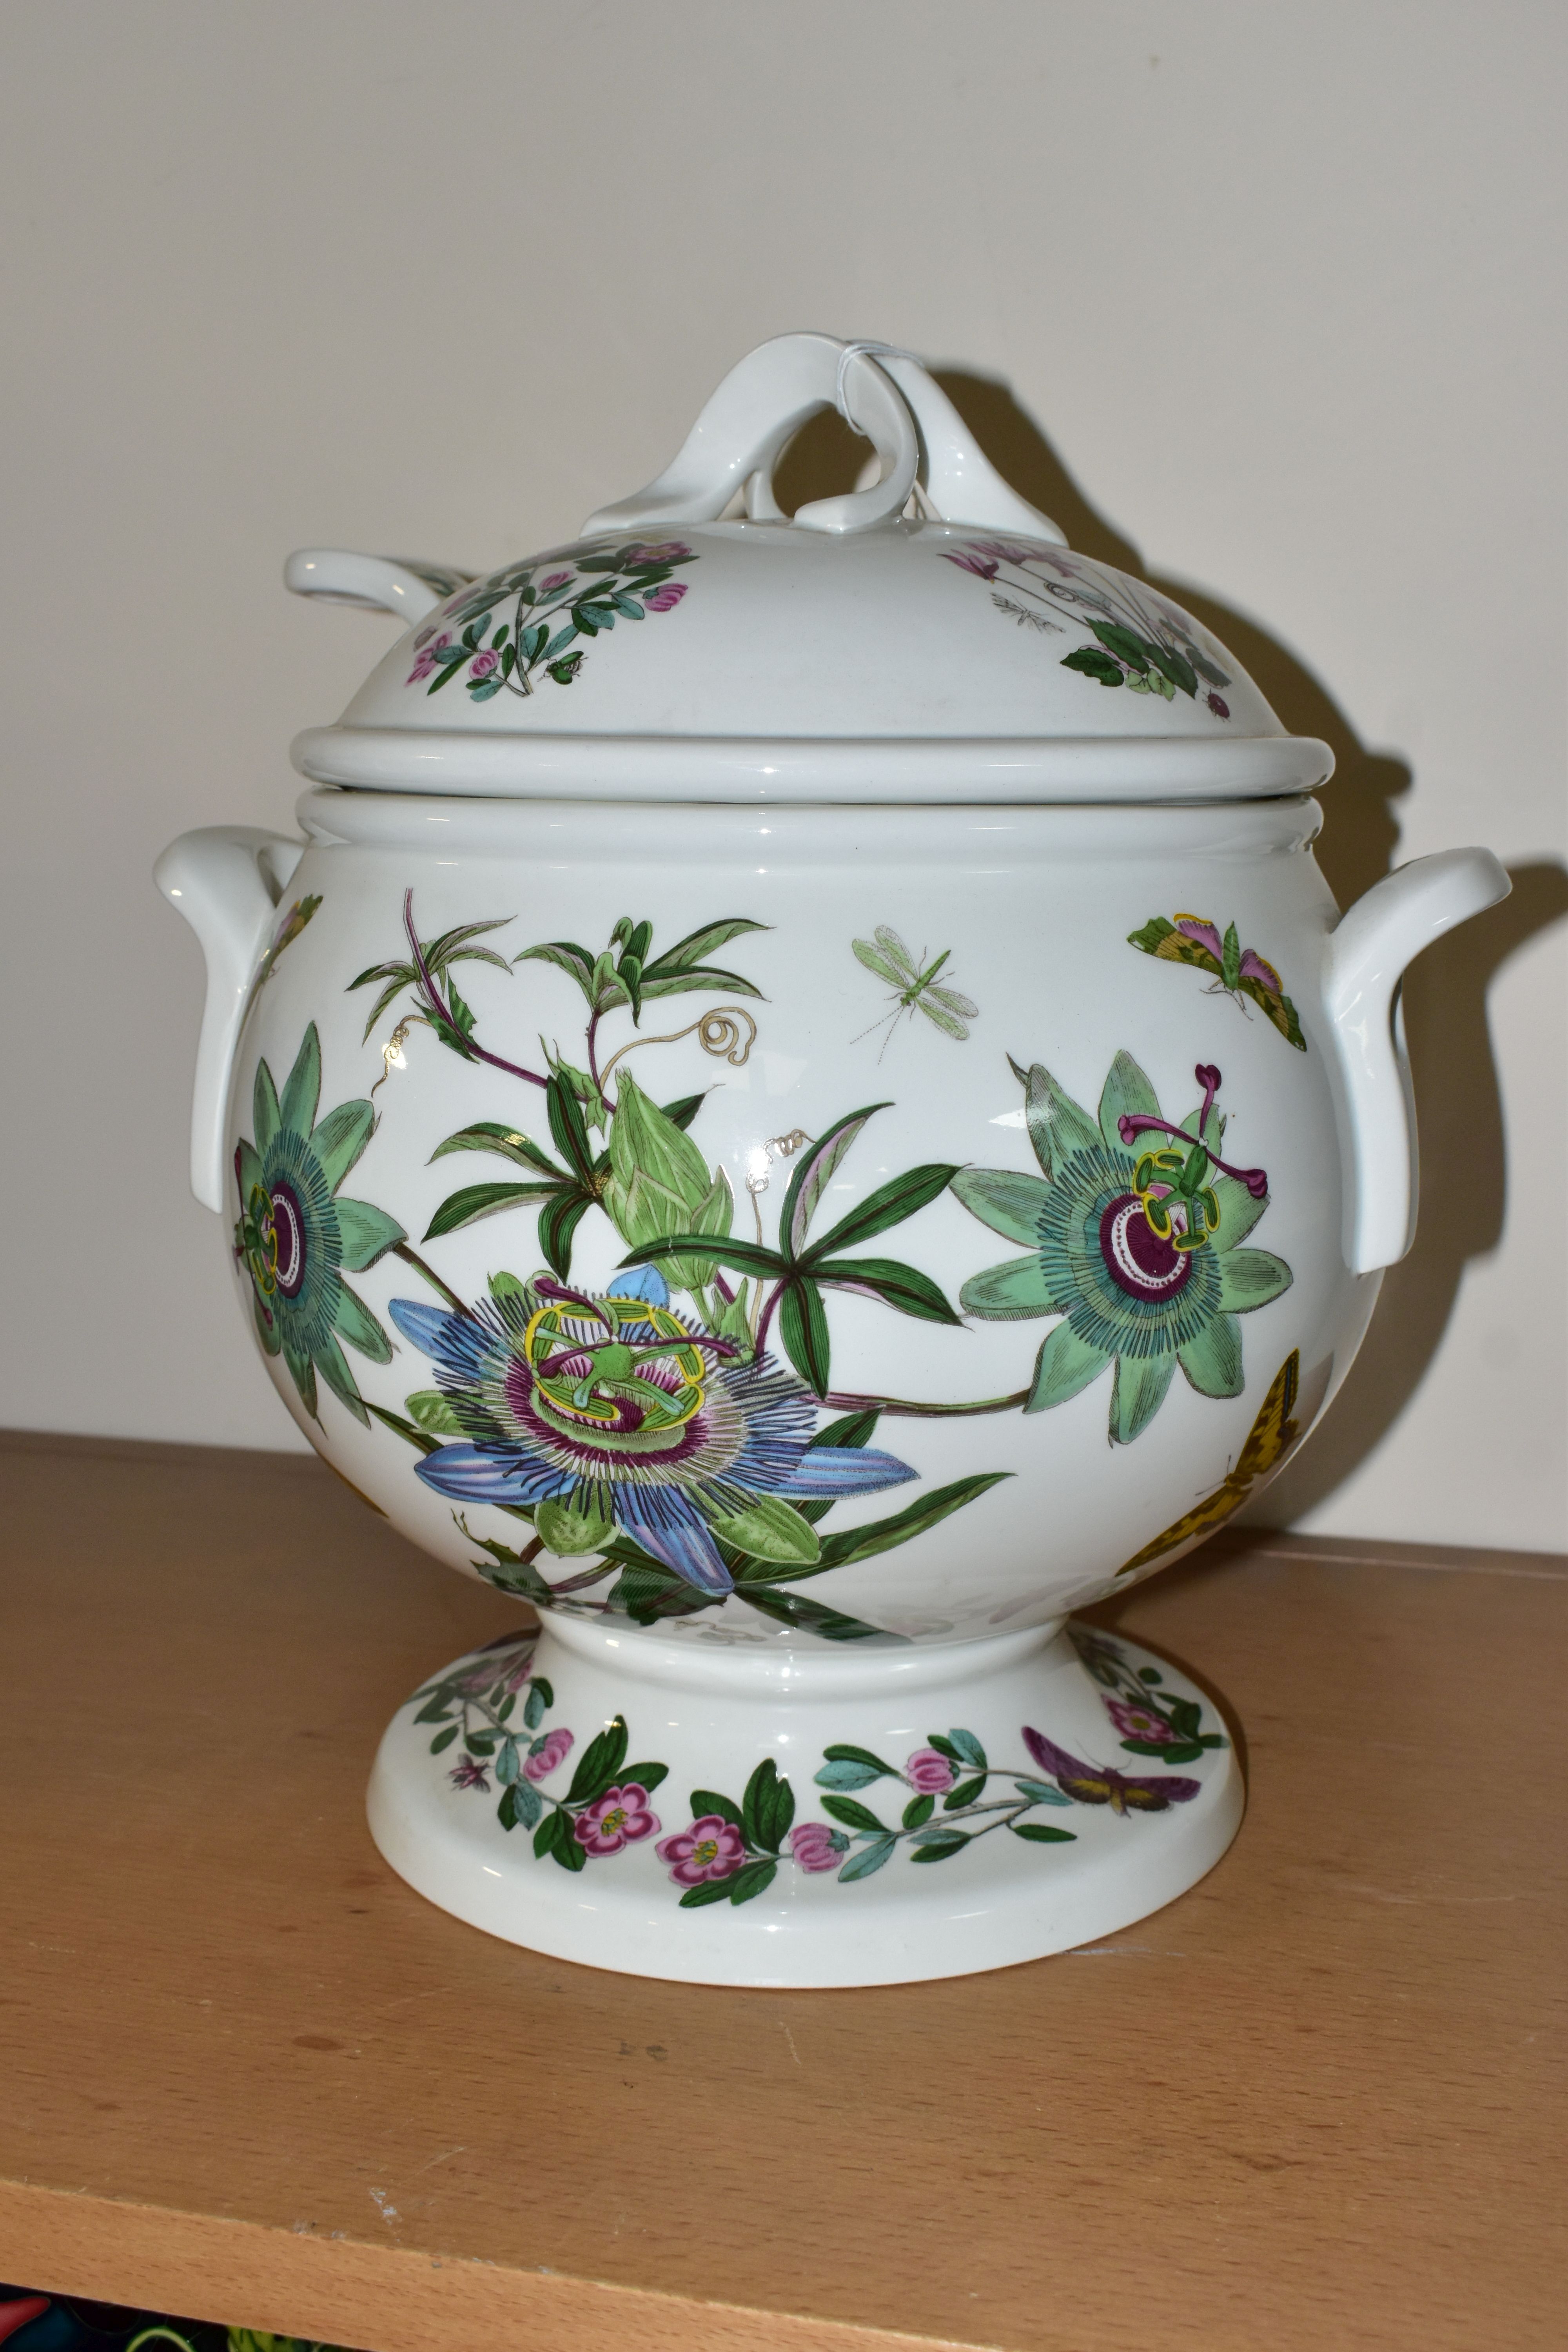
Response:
column 1138, row 1251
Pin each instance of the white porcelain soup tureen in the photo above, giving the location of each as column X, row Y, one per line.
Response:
column 803, row 1108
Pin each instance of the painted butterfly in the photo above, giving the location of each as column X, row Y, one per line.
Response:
column 1268, row 1442
column 1101, row 1784
column 1237, row 971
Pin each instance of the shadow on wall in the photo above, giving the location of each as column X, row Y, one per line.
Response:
column 1464, row 1167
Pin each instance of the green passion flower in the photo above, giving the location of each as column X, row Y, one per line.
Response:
column 296, row 1239
column 1137, row 1249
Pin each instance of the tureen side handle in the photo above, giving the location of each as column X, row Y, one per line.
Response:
column 1368, row 955
column 226, row 880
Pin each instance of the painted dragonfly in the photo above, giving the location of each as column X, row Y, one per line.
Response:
column 914, row 987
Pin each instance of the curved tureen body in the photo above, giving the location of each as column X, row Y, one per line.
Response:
column 805, row 1109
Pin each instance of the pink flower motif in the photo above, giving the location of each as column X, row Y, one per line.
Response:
column 710, row 1848
column 424, row 636
column 482, row 665
column 551, row 581
column 1219, row 706
column 431, row 659
column 618, row 1818
column 655, row 551
column 1135, row 1722
column 552, row 1750
column 469, row 1773
column 928, row 1772
column 817, row 1847
column 666, row 596
column 983, row 566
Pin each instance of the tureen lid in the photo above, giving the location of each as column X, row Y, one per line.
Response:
column 930, row 638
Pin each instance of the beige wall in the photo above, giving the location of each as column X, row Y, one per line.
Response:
column 1281, row 283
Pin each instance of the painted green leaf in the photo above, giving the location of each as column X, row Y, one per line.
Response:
column 918, row 1810
column 767, row 1809
column 937, row 1845
column 845, row 1752
column 811, row 1616
column 884, row 1535
column 491, row 1135
column 1040, row 1835
column 747, row 1258
column 569, row 1127
column 903, row 1287
column 751, row 1880
column 814, row 1172
column 600, row 1763
column 852, row 1813
column 407, row 1430
column 870, row 1858
column 443, row 1739
column 711, row 1890
column 1094, row 664
column 1132, row 649
column 708, row 1800
column 558, row 1222
column 569, row 1533
column 1039, row 1793
column 476, row 1201
column 890, row 1205
column 802, row 1334
column 430, row 1412
column 770, row 1529
column 698, row 945
column 847, row 1775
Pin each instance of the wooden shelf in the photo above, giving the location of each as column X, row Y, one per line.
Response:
column 250, row 2076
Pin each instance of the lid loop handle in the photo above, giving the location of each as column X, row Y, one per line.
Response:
column 883, row 391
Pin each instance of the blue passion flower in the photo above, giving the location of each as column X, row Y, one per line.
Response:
column 610, row 1414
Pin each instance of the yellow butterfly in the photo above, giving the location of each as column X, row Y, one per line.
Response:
column 1268, row 1440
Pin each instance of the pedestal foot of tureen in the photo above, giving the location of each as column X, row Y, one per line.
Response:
column 803, row 1818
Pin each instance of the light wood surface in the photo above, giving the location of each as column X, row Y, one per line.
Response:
column 246, row 2073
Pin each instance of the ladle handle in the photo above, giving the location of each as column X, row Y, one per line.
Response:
column 761, row 404
column 379, row 583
